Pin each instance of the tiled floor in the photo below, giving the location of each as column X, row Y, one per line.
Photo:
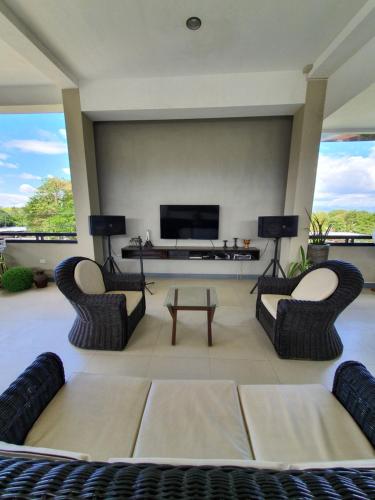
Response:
column 35, row 321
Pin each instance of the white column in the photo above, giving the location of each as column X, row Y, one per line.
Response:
column 303, row 161
column 81, row 147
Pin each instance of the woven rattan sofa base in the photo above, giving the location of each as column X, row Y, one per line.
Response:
column 41, row 479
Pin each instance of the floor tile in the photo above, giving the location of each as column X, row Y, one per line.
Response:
column 243, row 371
column 178, row 368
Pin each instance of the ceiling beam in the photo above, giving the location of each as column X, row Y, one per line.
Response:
column 18, row 36
column 358, row 31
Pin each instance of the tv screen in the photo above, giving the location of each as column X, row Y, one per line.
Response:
column 189, row 222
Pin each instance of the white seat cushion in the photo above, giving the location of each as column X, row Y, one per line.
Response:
column 316, row 285
column 133, row 298
column 270, row 301
column 94, row 413
column 192, row 419
column 300, row 423
column 89, row 278
column 33, row 453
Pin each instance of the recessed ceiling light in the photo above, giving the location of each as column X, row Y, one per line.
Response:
column 194, row 23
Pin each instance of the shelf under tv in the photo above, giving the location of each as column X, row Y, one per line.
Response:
column 191, row 253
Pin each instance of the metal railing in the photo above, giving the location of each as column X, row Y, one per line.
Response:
column 38, row 237
column 361, row 240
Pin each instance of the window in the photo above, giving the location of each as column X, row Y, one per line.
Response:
column 35, row 186
column 345, row 185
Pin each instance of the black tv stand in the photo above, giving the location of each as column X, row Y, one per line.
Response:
column 191, row 253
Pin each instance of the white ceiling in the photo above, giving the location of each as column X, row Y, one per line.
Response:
column 98, row 39
column 15, row 70
column 358, row 114
column 135, row 59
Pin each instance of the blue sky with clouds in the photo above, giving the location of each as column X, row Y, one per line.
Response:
column 32, row 148
column 346, row 176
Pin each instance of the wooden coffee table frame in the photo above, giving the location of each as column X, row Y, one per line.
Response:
column 210, row 314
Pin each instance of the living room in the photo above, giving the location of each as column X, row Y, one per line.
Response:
column 212, row 106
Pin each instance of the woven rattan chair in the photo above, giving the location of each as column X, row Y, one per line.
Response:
column 304, row 329
column 106, row 317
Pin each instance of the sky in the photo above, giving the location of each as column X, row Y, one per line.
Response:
column 346, row 176
column 32, row 148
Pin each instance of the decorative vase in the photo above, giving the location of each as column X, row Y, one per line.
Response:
column 40, row 279
column 317, row 253
column 246, row 244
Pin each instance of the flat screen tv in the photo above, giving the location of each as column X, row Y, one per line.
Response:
column 189, row 222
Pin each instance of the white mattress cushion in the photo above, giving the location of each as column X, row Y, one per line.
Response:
column 193, row 419
column 300, row 423
column 316, row 285
column 346, row 464
column 34, row 453
column 89, row 278
column 94, row 413
column 133, row 298
column 270, row 301
column 256, row 464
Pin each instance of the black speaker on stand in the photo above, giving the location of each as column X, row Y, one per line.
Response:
column 276, row 227
column 107, row 226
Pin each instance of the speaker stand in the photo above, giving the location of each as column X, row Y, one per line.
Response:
column 110, row 261
column 274, row 263
column 141, row 262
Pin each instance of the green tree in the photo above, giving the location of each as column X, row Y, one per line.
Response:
column 349, row 221
column 12, row 216
column 51, row 208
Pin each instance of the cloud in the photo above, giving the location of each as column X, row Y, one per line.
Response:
column 39, row 147
column 27, row 189
column 3, row 156
column 346, row 182
column 66, row 171
column 27, row 175
column 6, row 164
column 13, row 200
column 62, row 132
column 49, row 176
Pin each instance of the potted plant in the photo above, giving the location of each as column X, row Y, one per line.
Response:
column 318, row 248
column 296, row 268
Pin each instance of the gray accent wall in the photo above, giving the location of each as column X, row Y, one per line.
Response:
column 239, row 164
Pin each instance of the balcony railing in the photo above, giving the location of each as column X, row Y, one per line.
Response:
column 35, row 237
column 359, row 240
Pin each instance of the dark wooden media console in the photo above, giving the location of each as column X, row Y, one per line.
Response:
column 192, row 253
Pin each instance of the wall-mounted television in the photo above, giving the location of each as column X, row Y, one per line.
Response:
column 189, row 222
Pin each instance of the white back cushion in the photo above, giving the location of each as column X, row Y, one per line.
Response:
column 316, row 285
column 88, row 277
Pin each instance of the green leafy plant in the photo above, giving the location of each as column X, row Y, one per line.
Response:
column 318, row 235
column 296, row 268
column 17, row 279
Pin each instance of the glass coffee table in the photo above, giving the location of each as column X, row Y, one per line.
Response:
column 191, row 298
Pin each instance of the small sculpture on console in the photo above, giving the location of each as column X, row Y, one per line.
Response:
column 225, row 243
column 246, row 244
column 148, row 242
column 235, row 246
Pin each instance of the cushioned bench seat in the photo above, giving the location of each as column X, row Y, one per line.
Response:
column 193, row 419
column 93, row 414
column 300, row 423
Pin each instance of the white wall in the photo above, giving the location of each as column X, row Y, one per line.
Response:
column 29, row 254
column 239, row 164
column 361, row 257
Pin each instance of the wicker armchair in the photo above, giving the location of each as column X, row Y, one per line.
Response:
column 304, row 329
column 102, row 320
